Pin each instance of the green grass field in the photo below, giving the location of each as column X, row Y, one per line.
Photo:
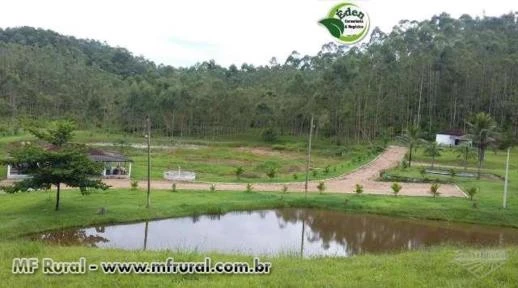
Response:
column 491, row 188
column 435, row 267
column 217, row 161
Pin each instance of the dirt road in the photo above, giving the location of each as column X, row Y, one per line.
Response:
column 364, row 175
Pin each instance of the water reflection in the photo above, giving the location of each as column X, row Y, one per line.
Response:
column 304, row 232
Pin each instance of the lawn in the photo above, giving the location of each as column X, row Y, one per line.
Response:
column 490, row 187
column 218, row 160
column 434, row 267
column 219, row 163
column 494, row 162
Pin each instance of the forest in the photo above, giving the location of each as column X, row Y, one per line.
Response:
column 434, row 74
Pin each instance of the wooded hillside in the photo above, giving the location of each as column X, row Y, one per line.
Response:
column 435, row 73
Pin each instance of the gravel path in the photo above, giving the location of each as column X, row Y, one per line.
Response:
column 364, row 175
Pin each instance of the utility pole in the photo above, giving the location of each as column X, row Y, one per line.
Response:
column 145, row 235
column 309, row 158
column 302, row 237
column 148, row 128
column 506, row 176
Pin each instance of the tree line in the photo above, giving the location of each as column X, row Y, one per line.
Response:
column 432, row 74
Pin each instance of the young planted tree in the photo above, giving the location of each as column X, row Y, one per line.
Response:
column 434, row 189
column 471, row 192
column 482, row 130
column 412, row 139
column 239, row 172
column 321, row 187
column 63, row 163
column 433, row 150
column 396, row 187
column 465, row 151
column 358, row 189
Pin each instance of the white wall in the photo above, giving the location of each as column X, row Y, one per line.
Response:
column 14, row 176
column 443, row 139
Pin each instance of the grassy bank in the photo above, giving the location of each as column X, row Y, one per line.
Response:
column 32, row 212
column 435, row 267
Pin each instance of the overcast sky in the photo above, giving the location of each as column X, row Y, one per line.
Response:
column 181, row 33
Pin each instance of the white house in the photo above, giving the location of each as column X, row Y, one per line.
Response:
column 450, row 138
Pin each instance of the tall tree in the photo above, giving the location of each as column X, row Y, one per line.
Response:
column 412, row 138
column 482, row 130
column 433, row 150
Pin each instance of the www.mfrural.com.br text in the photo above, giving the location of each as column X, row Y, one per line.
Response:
column 169, row 266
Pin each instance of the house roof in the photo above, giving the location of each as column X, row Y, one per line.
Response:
column 97, row 155
column 105, row 156
column 452, row 132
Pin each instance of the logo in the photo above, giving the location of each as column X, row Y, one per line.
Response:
column 481, row 263
column 347, row 22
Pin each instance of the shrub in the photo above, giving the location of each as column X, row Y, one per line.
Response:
column 270, row 135
column 434, row 189
column 471, row 192
column 314, row 172
column 134, row 185
column 174, row 187
column 295, row 176
column 321, row 187
column 239, row 172
column 284, row 188
column 358, row 189
column 212, row 188
column 271, row 172
column 396, row 187
column 249, row 187
column 452, row 172
column 422, row 171
column 326, row 170
column 278, row 147
column 404, row 164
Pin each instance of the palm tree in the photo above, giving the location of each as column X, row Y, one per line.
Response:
column 465, row 152
column 434, row 150
column 412, row 139
column 481, row 132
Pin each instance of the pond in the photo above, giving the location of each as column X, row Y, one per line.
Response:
column 303, row 232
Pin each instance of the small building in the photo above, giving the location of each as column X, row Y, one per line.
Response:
column 116, row 166
column 450, row 138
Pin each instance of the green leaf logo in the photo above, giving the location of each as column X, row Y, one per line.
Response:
column 334, row 26
column 347, row 22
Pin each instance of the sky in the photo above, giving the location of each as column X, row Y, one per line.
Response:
column 183, row 33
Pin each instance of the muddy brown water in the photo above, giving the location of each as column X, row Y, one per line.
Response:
column 305, row 232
